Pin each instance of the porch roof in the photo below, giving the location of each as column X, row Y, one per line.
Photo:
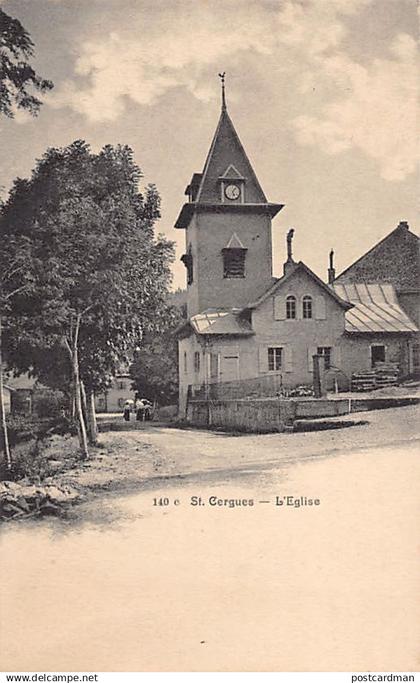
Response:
column 375, row 308
column 219, row 321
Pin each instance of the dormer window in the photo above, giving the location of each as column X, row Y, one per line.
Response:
column 232, row 186
column 291, row 307
column 307, row 307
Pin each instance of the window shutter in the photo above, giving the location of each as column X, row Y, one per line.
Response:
column 336, row 356
column 320, row 310
column 263, row 358
column 288, row 359
column 279, row 308
column 230, row 351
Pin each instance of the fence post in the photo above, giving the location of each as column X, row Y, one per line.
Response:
column 319, row 371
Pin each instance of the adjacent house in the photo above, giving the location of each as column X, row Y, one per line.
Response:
column 112, row 400
column 384, row 287
column 18, row 393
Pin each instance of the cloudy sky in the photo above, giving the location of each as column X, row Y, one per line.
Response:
column 322, row 94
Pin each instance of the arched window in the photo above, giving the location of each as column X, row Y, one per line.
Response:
column 307, row 307
column 291, row 307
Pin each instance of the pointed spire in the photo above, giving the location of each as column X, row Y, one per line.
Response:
column 222, row 78
column 226, row 152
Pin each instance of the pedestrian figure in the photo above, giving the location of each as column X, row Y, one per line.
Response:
column 127, row 410
column 139, row 406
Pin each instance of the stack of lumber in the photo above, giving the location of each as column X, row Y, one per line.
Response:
column 382, row 376
column 363, row 381
column 386, row 374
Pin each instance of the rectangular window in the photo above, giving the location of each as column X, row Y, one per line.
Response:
column 274, row 358
column 196, row 361
column 377, row 353
column 234, row 263
column 121, row 386
column 325, row 351
column 121, row 402
column 185, row 362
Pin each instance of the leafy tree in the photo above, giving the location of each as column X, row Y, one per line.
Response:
column 155, row 367
column 17, row 77
column 101, row 276
column 15, row 283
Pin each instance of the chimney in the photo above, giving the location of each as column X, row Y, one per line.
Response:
column 289, row 264
column 331, row 269
column 403, row 225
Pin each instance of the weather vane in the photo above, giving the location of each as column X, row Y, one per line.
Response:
column 222, row 78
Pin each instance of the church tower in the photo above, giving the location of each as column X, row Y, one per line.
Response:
column 227, row 220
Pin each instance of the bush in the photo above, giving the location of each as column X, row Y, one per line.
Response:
column 27, row 439
column 48, row 402
column 29, row 460
column 36, row 459
column 22, row 429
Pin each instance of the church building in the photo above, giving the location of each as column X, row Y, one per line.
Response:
column 242, row 322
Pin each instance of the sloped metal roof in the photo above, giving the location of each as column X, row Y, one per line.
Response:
column 214, row 321
column 375, row 308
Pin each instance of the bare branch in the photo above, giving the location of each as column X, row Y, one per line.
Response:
column 15, row 291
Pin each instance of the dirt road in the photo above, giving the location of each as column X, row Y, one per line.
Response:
column 209, row 563
column 148, row 455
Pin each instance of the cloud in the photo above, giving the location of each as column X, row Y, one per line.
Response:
column 370, row 107
column 142, row 62
column 376, row 112
column 151, row 53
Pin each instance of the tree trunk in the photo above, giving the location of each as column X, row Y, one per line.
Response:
column 72, row 403
column 77, row 394
column 6, row 447
column 91, row 418
column 84, row 407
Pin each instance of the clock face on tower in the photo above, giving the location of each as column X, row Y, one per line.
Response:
column 232, row 191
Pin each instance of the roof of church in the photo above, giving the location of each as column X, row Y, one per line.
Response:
column 375, row 308
column 227, row 153
column 299, row 266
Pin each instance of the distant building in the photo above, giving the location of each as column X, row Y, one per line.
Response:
column 380, row 283
column 243, row 323
column 112, row 400
column 18, row 393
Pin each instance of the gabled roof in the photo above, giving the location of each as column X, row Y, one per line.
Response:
column 226, row 149
column 394, row 259
column 375, row 308
column 195, row 182
column 281, row 281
